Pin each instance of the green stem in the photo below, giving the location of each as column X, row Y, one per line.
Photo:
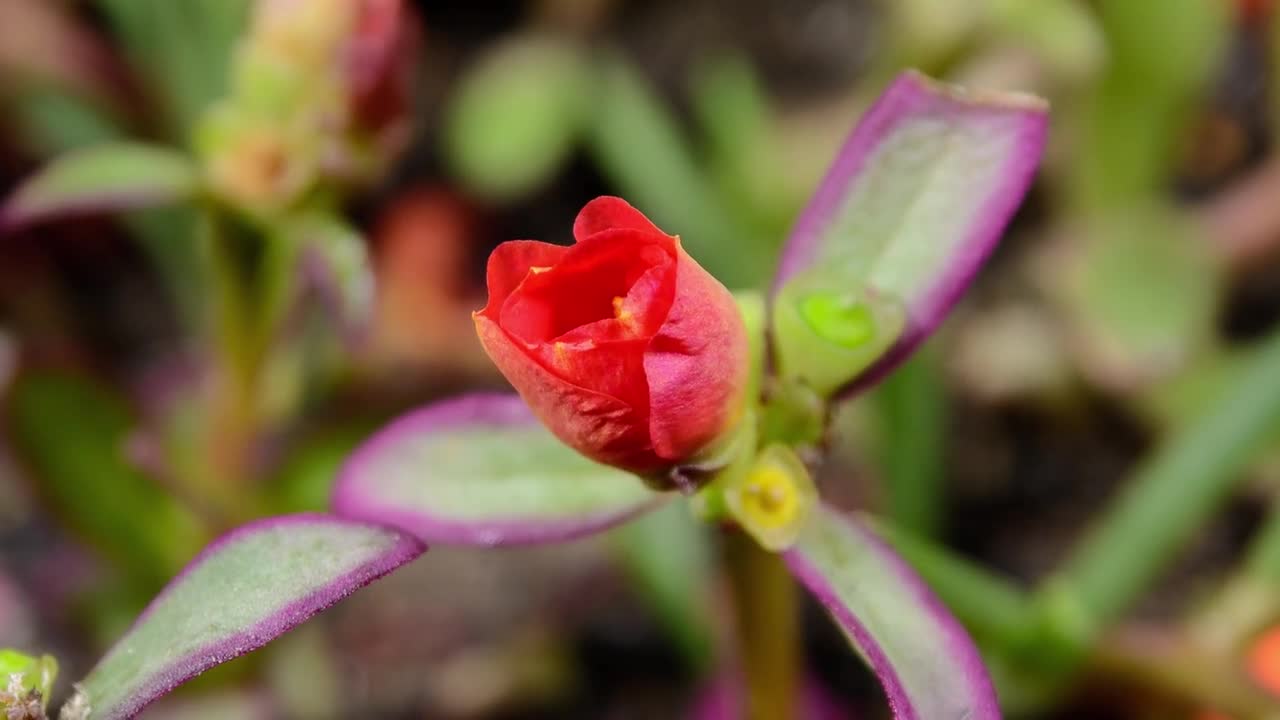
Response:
column 247, row 302
column 767, row 620
column 1171, row 495
column 234, row 391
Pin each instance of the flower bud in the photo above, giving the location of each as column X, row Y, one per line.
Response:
column 621, row 344
column 25, row 685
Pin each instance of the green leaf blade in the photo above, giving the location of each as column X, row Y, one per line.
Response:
column 244, row 590
column 73, row 436
column 516, row 115
column 925, row 660
column 115, row 176
column 914, row 203
column 480, row 470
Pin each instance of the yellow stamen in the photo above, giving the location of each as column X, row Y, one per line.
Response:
column 624, row 316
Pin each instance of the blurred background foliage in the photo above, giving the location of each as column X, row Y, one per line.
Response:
column 1085, row 462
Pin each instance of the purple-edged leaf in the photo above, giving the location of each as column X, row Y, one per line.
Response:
column 481, row 470
column 243, row 591
column 118, row 176
column 926, row 662
column 334, row 262
column 914, row 203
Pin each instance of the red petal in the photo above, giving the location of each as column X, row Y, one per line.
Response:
column 509, row 264
column 599, row 426
column 696, row 365
column 616, row 369
column 581, row 289
column 610, row 213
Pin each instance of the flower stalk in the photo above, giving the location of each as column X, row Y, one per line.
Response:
column 767, row 625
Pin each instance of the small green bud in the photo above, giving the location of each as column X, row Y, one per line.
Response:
column 839, row 318
column 27, row 683
column 826, row 335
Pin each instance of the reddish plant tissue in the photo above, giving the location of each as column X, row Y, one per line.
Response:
column 380, row 62
column 621, row 344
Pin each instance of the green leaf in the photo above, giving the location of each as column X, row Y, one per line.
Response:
column 183, row 49
column 516, row 115
column 116, row 176
column 1142, row 291
column 910, row 439
column 1136, row 119
column 305, row 480
column 243, row 591
column 913, row 204
column 743, row 154
column 74, row 436
column 1065, row 34
column 51, row 120
column 480, row 470
column 1171, row 495
column 926, row 662
column 335, row 262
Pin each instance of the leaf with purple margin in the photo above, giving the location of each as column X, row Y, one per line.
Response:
column 926, row 662
column 244, row 590
column 915, row 201
column 334, row 263
column 116, row 176
column 481, row 470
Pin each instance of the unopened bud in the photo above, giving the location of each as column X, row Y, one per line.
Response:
column 773, row 500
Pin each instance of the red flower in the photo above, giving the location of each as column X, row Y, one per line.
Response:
column 622, row 344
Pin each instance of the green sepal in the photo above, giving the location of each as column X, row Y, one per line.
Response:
column 754, row 312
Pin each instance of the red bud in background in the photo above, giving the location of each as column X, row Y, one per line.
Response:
column 621, row 344
column 380, row 58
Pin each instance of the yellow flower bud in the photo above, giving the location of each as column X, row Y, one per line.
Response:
column 773, row 499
